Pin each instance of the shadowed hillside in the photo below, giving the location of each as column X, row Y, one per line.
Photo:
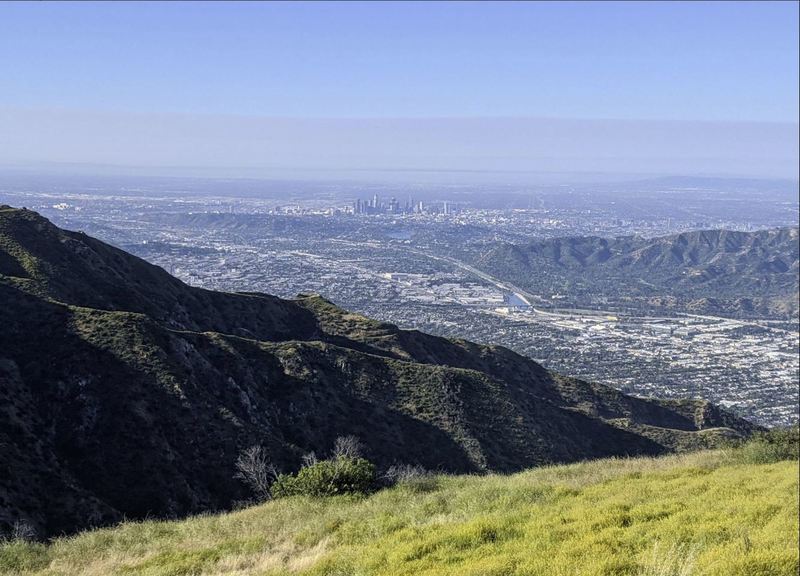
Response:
column 126, row 393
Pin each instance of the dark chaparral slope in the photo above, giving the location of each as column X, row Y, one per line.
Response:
column 127, row 393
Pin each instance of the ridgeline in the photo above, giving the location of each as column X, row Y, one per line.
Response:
column 125, row 393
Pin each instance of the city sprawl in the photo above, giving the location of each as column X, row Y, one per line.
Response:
column 408, row 256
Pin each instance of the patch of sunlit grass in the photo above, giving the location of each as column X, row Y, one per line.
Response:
column 697, row 514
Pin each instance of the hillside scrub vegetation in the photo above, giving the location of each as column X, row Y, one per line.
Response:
column 771, row 446
column 154, row 388
column 707, row 513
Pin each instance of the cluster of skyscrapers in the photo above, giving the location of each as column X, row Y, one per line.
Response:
column 393, row 206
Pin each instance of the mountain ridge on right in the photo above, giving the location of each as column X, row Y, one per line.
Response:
column 725, row 272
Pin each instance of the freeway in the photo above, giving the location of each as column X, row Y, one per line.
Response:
column 526, row 297
column 529, row 298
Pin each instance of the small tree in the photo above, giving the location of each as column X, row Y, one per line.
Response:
column 347, row 447
column 22, row 531
column 400, row 473
column 310, row 459
column 413, row 478
column 254, row 469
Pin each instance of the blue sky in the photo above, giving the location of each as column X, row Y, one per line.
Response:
column 699, row 61
column 679, row 62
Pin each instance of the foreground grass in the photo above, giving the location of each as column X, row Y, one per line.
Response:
column 695, row 514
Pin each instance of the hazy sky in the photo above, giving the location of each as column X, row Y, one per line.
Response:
column 450, row 86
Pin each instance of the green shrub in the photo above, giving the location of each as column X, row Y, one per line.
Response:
column 771, row 446
column 328, row 478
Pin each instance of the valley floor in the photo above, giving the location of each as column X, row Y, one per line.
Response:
column 696, row 514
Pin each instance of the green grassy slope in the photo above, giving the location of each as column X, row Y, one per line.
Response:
column 703, row 513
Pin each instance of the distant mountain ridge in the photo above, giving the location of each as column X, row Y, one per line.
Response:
column 126, row 393
column 712, row 271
